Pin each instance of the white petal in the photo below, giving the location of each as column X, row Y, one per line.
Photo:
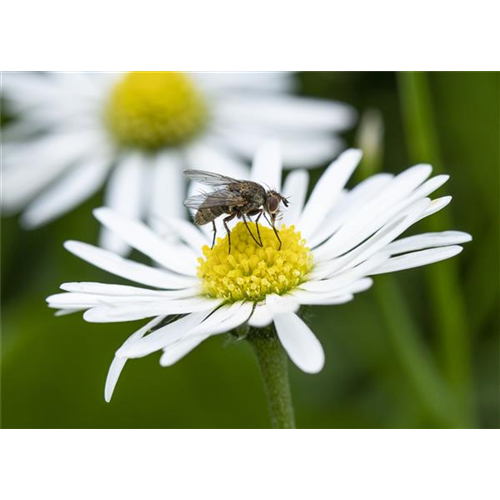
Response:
column 394, row 205
column 300, row 342
column 19, row 132
column 87, row 300
column 281, row 112
column 128, row 269
column 317, row 283
column 30, row 167
column 327, row 190
column 206, row 154
column 436, row 205
column 118, row 364
column 356, row 284
column 258, row 81
column 266, row 165
column 224, row 319
column 431, row 185
column 107, row 289
column 57, row 99
column 114, row 372
column 31, row 88
column 380, row 239
column 417, row 259
column 340, row 295
column 297, row 152
column 125, row 290
column 162, row 337
column 167, row 191
column 278, row 304
column 53, row 98
column 428, row 240
column 261, row 316
column 105, row 82
column 393, row 202
column 80, row 183
column 411, row 178
column 349, row 206
column 80, row 84
column 178, row 258
column 124, row 194
column 295, row 188
column 307, row 298
column 180, row 349
column 64, row 312
column 187, row 232
column 175, row 352
column 114, row 313
column 57, row 146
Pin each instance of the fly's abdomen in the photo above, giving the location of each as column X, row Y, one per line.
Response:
column 205, row 215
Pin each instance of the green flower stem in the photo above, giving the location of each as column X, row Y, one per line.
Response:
column 444, row 287
column 273, row 365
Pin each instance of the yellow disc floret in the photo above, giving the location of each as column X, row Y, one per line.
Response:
column 251, row 272
column 151, row 110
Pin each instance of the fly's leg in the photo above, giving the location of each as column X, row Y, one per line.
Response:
column 251, row 234
column 215, row 232
column 225, row 221
column 271, row 223
column 259, row 214
column 257, row 225
column 277, row 236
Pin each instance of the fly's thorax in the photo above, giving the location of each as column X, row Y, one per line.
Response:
column 252, row 192
column 255, row 201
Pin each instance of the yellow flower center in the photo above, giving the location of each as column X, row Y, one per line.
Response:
column 152, row 110
column 251, row 272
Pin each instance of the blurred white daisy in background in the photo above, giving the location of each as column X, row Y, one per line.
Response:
column 72, row 132
column 332, row 243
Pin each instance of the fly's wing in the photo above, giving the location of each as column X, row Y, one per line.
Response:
column 209, row 178
column 195, row 201
column 222, row 198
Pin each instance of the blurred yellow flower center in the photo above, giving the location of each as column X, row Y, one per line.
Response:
column 250, row 272
column 152, row 110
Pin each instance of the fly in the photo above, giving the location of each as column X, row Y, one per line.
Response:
column 234, row 198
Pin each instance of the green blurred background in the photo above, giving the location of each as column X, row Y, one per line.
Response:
column 420, row 349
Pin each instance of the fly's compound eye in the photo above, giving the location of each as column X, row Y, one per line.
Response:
column 273, row 204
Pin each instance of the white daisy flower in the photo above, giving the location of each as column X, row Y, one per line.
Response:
column 331, row 245
column 138, row 131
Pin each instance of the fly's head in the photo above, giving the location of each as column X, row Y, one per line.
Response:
column 272, row 204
